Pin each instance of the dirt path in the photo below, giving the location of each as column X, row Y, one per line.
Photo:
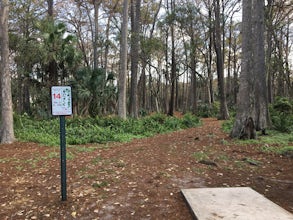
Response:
column 137, row 180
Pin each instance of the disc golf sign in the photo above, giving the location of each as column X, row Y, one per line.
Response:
column 61, row 100
column 62, row 106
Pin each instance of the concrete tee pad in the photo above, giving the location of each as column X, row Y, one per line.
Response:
column 241, row 203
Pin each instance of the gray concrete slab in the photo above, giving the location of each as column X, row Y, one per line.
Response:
column 240, row 203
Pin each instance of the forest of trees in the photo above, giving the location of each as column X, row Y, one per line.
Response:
column 134, row 57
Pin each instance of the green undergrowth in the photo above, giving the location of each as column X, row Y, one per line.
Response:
column 275, row 141
column 282, row 150
column 99, row 129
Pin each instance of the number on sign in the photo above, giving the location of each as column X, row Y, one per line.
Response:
column 57, row 96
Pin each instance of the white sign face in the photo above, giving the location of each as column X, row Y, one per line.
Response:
column 61, row 100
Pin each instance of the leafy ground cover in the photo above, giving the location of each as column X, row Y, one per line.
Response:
column 140, row 179
column 99, row 129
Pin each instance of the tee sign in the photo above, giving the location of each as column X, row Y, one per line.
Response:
column 61, row 100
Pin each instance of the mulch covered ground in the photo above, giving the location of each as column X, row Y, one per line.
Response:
column 137, row 180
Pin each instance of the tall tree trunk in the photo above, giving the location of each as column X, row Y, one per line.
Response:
column 173, row 67
column 222, row 16
column 287, row 55
column 193, row 86
column 166, row 71
column 123, row 64
column 26, row 96
column 81, row 41
column 167, row 75
column 108, row 42
column 52, row 66
column 151, row 98
column 173, row 74
column 245, row 108
column 6, row 131
column 224, row 114
column 142, row 85
column 261, row 99
column 145, row 57
column 210, row 75
column 135, row 35
column 280, row 67
column 96, row 32
column 269, row 35
column 235, row 72
column 228, row 90
column 252, row 99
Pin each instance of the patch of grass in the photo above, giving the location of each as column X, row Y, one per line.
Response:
column 104, row 146
column 5, row 160
column 70, row 156
column 248, row 141
column 276, row 142
column 285, row 150
column 200, row 155
column 90, row 176
column 19, row 167
column 163, row 174
column 270, row 143
column 33, row 161
column 268, row 149
column 120, row 164
column 224, row 142
column 54, row 154
column 240, row 164
column 100, row 184
column 199, row 170
column 276, row 137
column 81, row 149
column 223, row 157
column 81, row 172
column 96, row 160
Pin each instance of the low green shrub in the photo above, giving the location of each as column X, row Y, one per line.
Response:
column 228, row 125
column 206, row 110
column 98, row 130
column 282, row 115
column 190, row 120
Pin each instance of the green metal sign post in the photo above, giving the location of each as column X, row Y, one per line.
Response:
column 62, row 106
column 63, row 157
